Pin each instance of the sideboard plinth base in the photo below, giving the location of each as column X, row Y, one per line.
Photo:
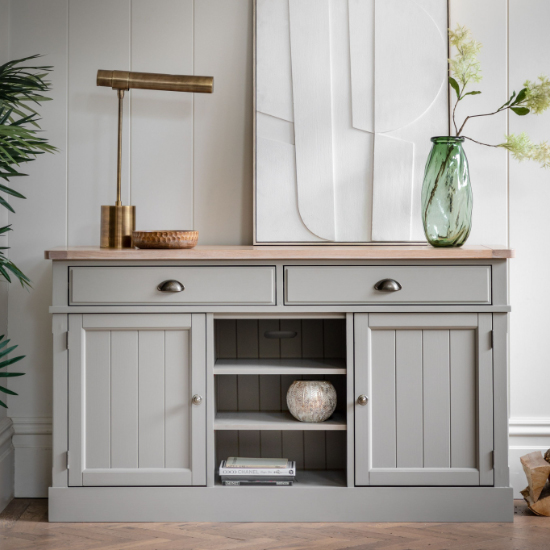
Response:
column 281, row 504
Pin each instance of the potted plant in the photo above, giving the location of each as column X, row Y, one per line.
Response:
column 21, row 87
column 446, row 192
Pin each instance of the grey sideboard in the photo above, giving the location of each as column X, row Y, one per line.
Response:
column 165, row 362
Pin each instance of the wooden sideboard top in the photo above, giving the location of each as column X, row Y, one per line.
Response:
column 372, row 252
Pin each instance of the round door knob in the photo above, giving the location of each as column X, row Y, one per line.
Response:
column 197, row 399
column 171, row 286
column 387, row 285
column 362, row 400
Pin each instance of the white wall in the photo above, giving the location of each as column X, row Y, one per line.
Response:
column 188, row 159
column 6, row 430
column 529, row 194
column 188, row 163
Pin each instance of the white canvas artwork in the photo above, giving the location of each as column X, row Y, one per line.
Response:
column 348, row 94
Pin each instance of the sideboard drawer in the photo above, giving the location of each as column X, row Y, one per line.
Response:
column 419, row 285
column 202, row 285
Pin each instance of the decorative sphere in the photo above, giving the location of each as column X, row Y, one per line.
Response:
column 311, row 400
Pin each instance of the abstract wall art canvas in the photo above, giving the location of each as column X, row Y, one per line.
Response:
column 347, row 96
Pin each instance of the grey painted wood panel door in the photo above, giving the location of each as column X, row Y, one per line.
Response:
column 428, row 378
column 131, row 417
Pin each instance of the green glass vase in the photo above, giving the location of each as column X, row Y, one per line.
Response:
column 447, row 194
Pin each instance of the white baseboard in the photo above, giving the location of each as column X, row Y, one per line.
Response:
column 526, row 435
column 6, row 462
column 32, row 441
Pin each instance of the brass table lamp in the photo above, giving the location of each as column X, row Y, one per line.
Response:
column 118, row 221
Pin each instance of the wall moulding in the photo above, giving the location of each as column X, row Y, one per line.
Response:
column 32, row 441
column 530, row 427
column 527, row 435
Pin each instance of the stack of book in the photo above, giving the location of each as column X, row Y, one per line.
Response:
column 257, row 471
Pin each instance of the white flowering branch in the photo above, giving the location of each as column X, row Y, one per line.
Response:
column 534, row 97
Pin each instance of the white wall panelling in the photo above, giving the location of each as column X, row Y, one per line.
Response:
column 4, row 239
column 6, row 462
column 32, row 441
column 6, row 448
column 84, row 129
column 529, row 192
column 38, row 27
column 174, row 143
column 488, row 21
column 98, row 38
column 223, row 122
column 161, row 164
column 527, row 435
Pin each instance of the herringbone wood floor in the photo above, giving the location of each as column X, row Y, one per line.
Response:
column 23, row 525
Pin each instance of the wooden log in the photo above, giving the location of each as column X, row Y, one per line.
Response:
column 537, row 471
column 542, row 506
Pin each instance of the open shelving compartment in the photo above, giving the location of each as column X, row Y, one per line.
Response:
column 256, row 361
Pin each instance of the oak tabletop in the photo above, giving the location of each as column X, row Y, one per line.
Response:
column 368, row 252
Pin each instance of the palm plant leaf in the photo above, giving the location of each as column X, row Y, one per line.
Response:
column 21, row 86
column 9, row 362
column 20, row 142
column 7, row 267
column 5, row 363
column 6, row 352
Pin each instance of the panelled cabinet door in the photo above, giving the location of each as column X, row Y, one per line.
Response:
column 428, row 418
column 132, row 379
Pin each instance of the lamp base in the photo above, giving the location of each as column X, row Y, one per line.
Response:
column 117, row 225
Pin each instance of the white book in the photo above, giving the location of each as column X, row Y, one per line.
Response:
column 288, row 471
column 246, row 462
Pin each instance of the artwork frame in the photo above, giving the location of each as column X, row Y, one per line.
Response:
column 259, row 215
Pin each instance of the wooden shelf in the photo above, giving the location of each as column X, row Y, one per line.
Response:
column 274, row 421
column 304, row 478
column 280, row 366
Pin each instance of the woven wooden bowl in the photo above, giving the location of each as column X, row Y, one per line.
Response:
column 165, row 239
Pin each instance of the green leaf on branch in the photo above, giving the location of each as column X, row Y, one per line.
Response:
column 521, row 111
column 521, row 96
column 472, row 93
column 509, row 101
column 9, row 392
column 454, row 86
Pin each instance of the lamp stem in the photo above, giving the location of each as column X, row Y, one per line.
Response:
column 120, row 94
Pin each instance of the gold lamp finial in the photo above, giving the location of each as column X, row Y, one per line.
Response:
column 118, row 222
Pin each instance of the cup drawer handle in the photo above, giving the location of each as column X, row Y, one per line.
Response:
column 171, row 286
column 387, row 285
column 273, row 334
